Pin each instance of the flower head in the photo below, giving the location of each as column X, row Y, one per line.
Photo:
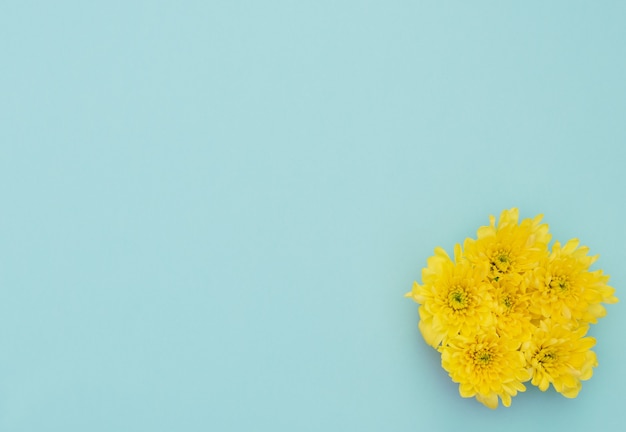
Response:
column 486, row 366
column 565, row 289
column 510, row 308
column 454, row 298
column 560, row 356
column 509, row 248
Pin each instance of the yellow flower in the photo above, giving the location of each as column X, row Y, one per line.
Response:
column 454, row 298
column 566, row 290
column 513, row 320
column 509, row 248
column 486, row 367
column 560, row 356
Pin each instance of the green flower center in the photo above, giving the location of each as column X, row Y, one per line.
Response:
column 508, row 302
column 458, row 298
column 482, row 357
column 546, row 357
column 501, row 261
column 560, row 284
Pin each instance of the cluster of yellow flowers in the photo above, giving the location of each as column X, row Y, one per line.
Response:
column 507, row 310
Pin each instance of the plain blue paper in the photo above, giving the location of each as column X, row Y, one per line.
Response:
column 211, row 210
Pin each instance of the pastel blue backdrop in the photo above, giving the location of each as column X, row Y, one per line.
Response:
column 211, row 210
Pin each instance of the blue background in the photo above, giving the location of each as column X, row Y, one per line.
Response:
column 211, row 210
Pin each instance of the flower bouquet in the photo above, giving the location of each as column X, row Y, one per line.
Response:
column 506, row 310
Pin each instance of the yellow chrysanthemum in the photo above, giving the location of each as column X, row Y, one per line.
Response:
column 454, row 298
column 560, row 356
column 509, row 248
column 486, row 366
column 510, row 307
column 566, row 290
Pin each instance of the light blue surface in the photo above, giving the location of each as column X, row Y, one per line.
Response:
column 211, row 210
